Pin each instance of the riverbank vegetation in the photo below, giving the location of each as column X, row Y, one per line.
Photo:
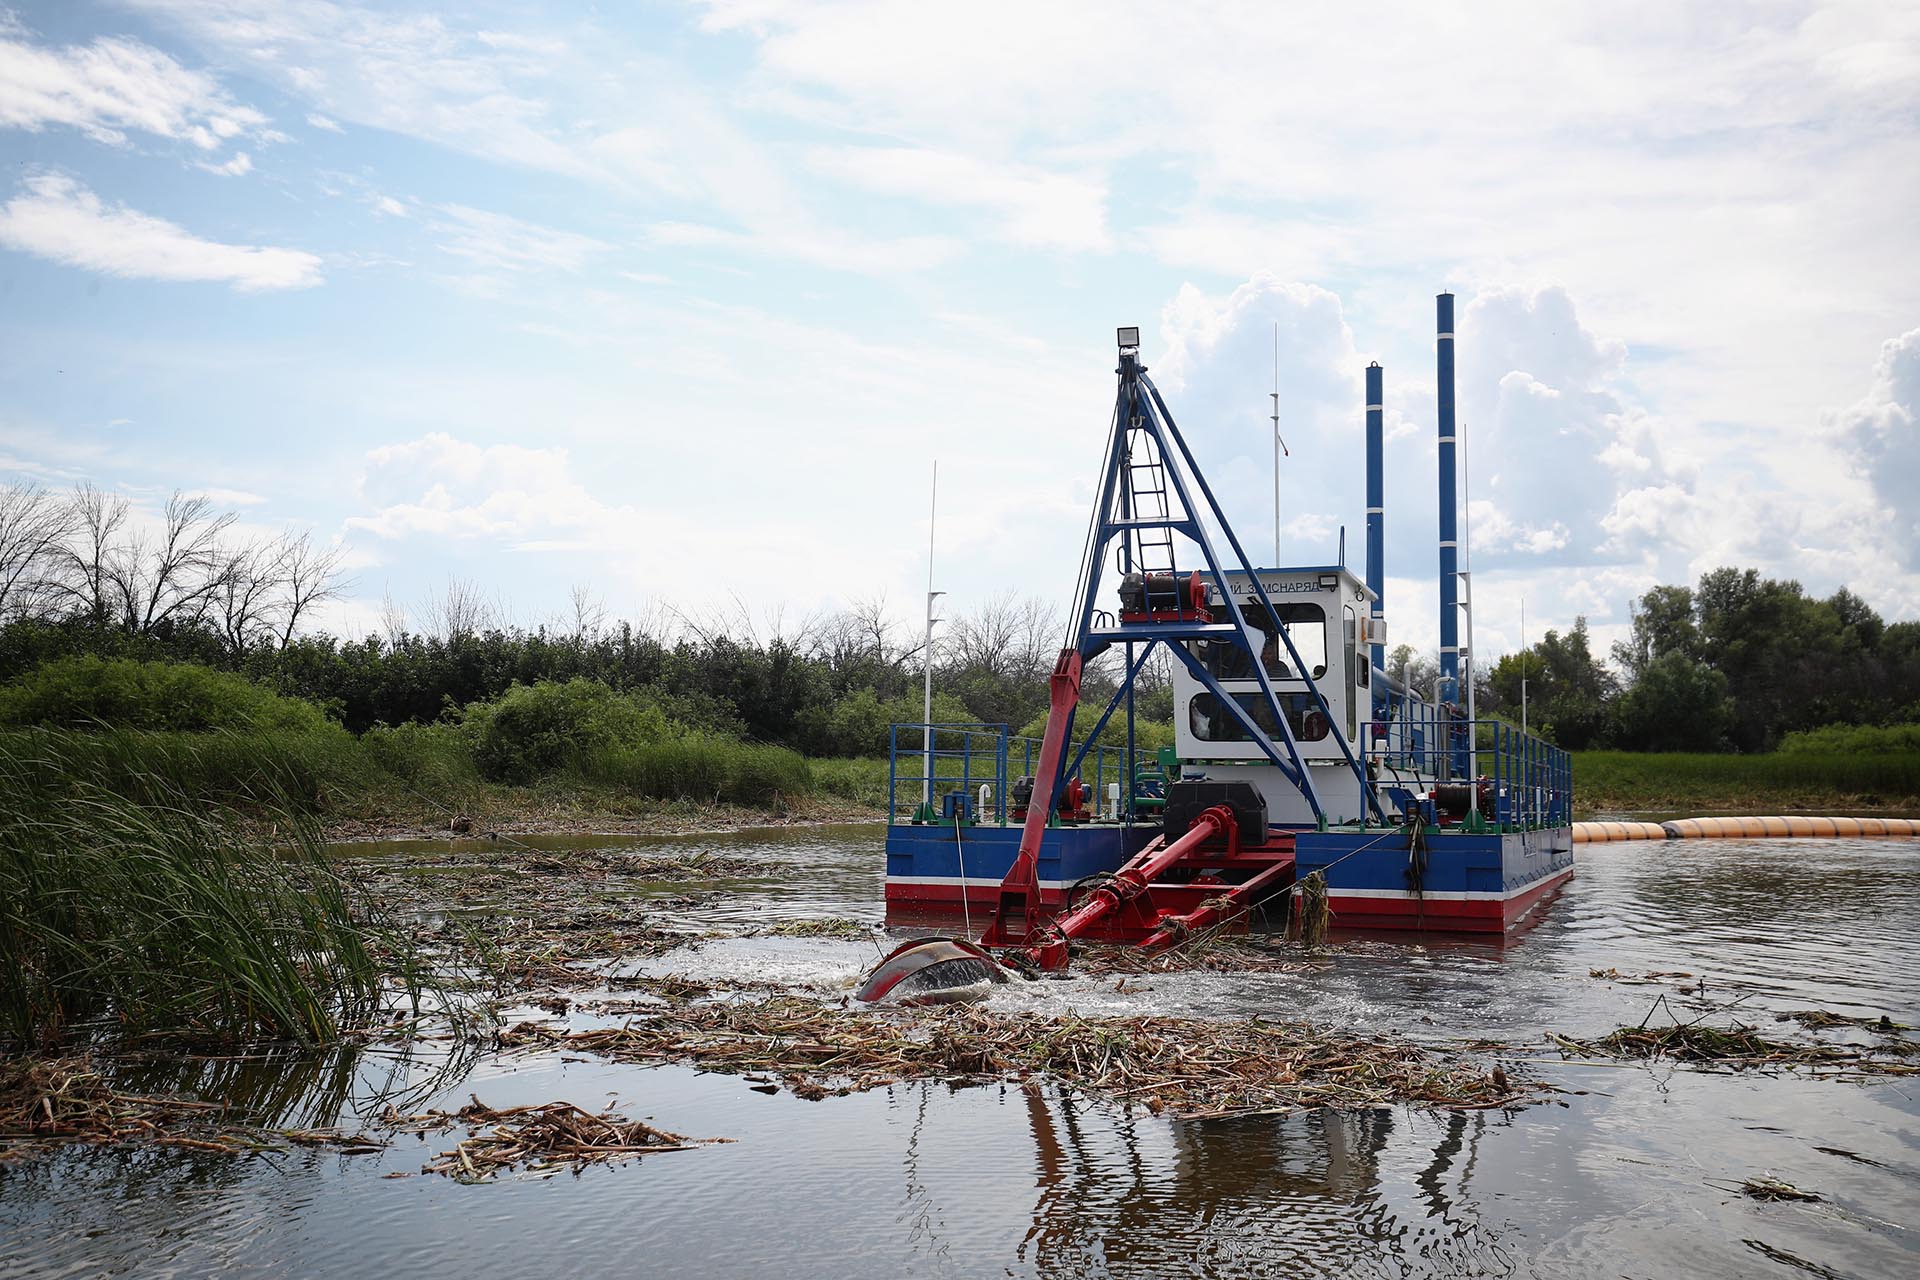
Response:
column 130, row 909
column 1774, row 782
column 190, row 651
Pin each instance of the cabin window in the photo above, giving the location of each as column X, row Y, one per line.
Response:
column 1350, row 628
column 1210, row 721
column 1306, row 626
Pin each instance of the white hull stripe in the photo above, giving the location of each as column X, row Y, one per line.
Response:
column 1450, row 895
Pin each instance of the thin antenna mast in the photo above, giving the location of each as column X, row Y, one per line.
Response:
column 926, row 727
column 1279, row 446
column 1524, row 664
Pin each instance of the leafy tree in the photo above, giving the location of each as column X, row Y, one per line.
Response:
column 1677, row 704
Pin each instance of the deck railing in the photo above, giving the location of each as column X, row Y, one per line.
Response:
column 967, row 755
column 1531, row 780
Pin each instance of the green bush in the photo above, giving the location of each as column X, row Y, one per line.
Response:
column 1148, row 735
column 1842, row 739
column 863, row 781
column 533, row 730
column 87, row 693
column 716, row 770
column 434, row 757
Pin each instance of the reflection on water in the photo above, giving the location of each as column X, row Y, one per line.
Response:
column 1632, row 1172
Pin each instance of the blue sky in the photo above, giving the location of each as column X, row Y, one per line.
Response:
column 680, row 302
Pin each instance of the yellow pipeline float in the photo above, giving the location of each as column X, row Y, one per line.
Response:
column 1745, row 829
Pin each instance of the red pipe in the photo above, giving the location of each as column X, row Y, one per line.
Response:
column 1175, row 929
column 1130, row 882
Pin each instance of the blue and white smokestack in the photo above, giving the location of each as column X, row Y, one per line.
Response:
column 1449, row 530
column 1376, row 520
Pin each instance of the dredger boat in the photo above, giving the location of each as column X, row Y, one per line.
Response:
column 1296, row 754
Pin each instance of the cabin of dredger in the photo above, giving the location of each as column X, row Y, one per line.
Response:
column 1324, row 610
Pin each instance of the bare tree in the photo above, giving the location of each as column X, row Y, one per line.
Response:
column 393, row 620
column 589, row 614
column 247, row 597
column 1006, row 638
column 34, row 528
column 461, row 611
column 84, row 564
column 309, row 576
column 172, row 577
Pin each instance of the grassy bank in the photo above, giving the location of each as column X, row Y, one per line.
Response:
column 1623, row 781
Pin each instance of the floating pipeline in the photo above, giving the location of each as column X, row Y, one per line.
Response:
column 1745, row 829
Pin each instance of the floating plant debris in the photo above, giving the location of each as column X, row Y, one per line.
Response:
column 1774, row 1189
column 832, row 927
column 1736, row 1047
column 49, row 1102
column 542, row 1139
column 1185, row 1067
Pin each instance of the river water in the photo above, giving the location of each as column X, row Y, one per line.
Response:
column 1633, row 1171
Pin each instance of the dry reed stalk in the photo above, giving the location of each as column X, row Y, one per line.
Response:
column 542, row 1138
column 1189, row 1067
column 45, row 1103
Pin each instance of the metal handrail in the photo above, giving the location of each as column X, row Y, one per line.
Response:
column 975, row 752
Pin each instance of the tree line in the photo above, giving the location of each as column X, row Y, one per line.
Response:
column 1732, row 663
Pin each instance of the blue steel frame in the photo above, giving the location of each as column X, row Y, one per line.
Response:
column 1142, row 421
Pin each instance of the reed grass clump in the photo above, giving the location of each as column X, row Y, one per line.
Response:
column 135, row 909
column 710, row 769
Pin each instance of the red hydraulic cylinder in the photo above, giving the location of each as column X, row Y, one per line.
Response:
column 1175, row 929
column 1130, row 882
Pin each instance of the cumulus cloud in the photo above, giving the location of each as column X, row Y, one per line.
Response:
column 112, row 86
column 1881, row 437
column 56, row 218
column 1218, row 369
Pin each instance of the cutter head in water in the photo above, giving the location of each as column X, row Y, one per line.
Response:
column 929, row 969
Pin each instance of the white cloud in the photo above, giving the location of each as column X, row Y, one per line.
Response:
column 56, row 218
column 497, row 240
column 1880, row 435
column 408, row 73
column 529, row 500
column 319, row 121
column 241, row 164
column 387, row 206
column 112, row 86
column 836, row 250
column 231, row 497
column 1035, row 207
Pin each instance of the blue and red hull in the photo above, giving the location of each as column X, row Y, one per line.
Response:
column 930, row 868
column 1471, row 882
column 1468, row 882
